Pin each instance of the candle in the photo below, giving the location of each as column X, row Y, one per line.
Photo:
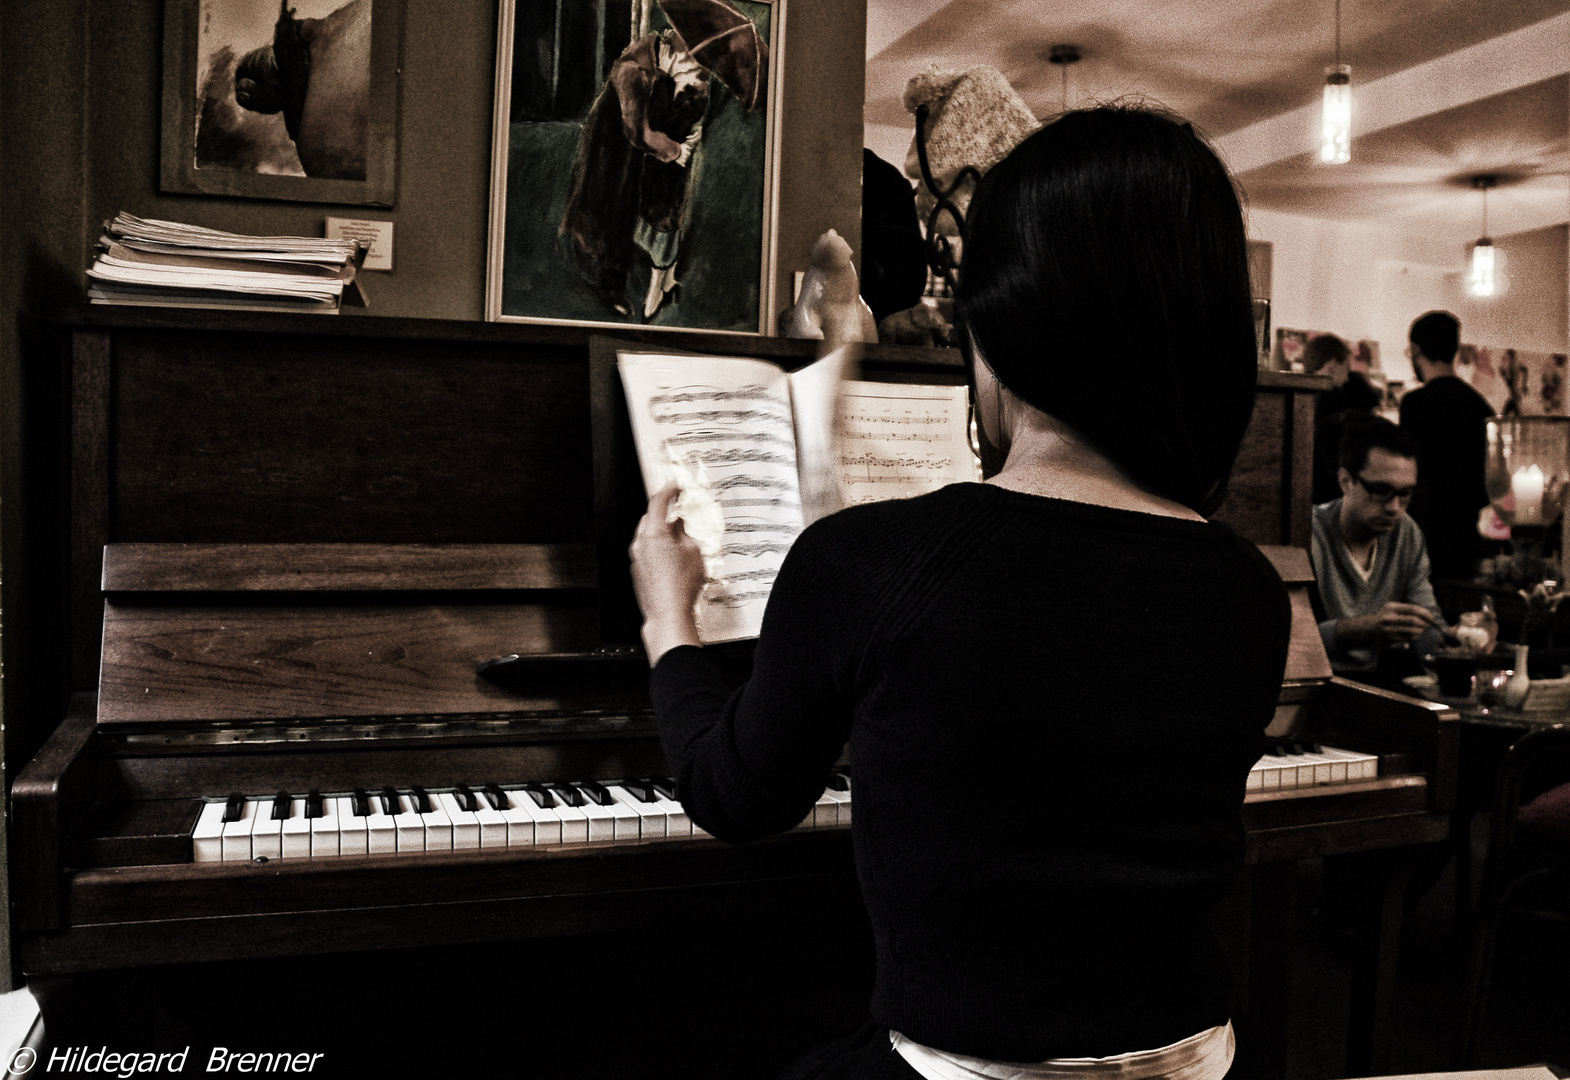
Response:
column 1527, row 487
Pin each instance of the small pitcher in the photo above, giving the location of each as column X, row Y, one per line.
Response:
column 1519, row 685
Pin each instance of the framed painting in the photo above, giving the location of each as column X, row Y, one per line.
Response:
column 635, row 162
column 282, row 99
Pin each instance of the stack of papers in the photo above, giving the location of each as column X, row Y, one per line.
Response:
column 168, row 264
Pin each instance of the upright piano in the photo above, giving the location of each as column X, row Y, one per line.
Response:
column 288, row 541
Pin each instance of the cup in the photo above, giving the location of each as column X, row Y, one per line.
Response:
column 1457, row 672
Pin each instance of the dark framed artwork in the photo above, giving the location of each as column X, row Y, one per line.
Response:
column 282, row 99
column 635, row 162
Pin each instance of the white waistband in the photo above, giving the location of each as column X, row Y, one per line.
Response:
column 1206, row 1056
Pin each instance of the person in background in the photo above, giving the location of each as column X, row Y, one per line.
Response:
column 1062, row 903
column 1446, row 419
column 1350, row 395
column 1370, row 562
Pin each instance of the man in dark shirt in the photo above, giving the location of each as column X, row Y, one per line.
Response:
column 1446, row 417
column 1350, row 394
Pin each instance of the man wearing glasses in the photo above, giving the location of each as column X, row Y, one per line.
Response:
column 1370, row 561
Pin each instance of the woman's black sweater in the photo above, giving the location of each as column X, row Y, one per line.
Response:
column 1052, row 708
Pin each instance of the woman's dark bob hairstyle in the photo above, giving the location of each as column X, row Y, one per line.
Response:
column 1105, row 282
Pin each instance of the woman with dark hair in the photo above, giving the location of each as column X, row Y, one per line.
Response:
column 1054, row 683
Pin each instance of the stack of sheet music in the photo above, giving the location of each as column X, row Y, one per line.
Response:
column 167, row 264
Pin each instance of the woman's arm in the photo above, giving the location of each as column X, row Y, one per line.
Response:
column 751, row 763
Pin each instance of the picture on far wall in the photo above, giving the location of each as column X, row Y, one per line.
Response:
column 1516, row 382
column 634, row 163
column 282, row 99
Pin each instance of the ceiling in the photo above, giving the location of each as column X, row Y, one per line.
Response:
column 1445, row 89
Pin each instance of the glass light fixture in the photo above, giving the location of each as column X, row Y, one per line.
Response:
column 1335, row 129
column 1335, row 133
column 1484, row 279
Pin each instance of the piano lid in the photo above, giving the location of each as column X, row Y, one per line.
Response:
column 1307, row 660
column 289, row 632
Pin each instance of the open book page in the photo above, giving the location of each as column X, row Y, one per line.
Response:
column 721, row 427
column 815, row 398
column 900, row 440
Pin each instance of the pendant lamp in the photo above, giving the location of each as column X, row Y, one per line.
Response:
column 1484, row 279
column 1335, row 130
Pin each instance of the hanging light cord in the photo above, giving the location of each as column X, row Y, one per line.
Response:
column 1338, row 34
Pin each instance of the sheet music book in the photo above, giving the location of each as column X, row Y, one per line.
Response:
column 760, row 454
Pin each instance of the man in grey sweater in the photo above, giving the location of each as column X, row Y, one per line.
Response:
column 1369, row 558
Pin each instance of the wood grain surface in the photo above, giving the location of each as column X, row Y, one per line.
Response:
column 194, row 663
column 345, row 567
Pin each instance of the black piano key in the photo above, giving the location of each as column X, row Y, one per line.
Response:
column 235, row 808
column 541, row 796
column 283, row 805
column 641, row 790
column 421, row 801
column 313, row 804
column 595, row 791
column 664, row 785
column 569, row 795
column 391, row 804
column 496, row 797
column 466, row 800
column 362, row 803
column 839, row 782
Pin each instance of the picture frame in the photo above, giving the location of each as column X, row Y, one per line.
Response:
column 294, row 100
column 675, row 230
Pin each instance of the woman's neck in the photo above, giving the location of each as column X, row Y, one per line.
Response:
column 1047, row 457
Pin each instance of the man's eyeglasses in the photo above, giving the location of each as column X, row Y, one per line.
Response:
column 1383, row 493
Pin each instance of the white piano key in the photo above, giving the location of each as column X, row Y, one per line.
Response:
column 601, row 822
column 826, row 811
column 324, row 830
column 574, row 822
column 629, row 828
column 354, row 831
column 409, row 827
column 381, row 829
column 492, row 825
column 677, row 824
column 267, row 832
column 207, row 837
column 1271, row 769
column 1359, row 766
column 841, row 807
column 237, row 834
column 437, row 823
column 524, row 825
column 297, row 831
column 465, row 825
column 650, row 818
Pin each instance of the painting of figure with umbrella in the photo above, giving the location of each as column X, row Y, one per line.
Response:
column 632, row 171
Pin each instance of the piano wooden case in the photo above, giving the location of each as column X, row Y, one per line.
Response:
column 290, row 540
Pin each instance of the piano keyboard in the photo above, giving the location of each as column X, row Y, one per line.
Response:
column 1292, row 763
column 400, row 822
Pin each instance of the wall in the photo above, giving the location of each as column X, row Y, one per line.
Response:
column 444, row 160
column 1363, row 280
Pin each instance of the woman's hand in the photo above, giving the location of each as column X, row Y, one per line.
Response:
column 667, row 574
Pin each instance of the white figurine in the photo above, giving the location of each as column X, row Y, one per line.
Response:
column 830, row 305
